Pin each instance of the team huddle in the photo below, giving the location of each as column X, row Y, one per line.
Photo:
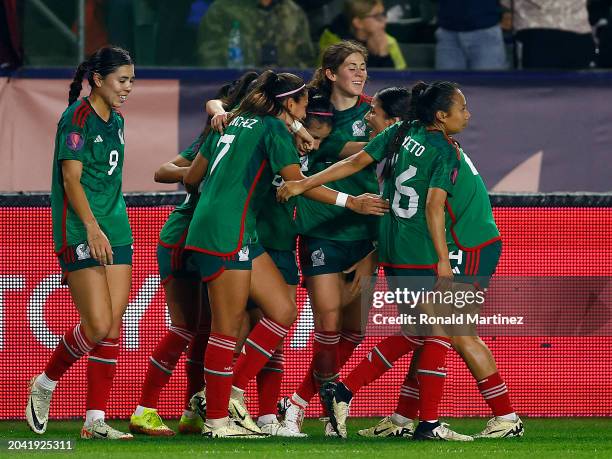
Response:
column 281, row 164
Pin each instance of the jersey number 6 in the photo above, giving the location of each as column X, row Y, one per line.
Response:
column 408, row 191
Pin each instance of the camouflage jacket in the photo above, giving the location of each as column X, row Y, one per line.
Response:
column 277, row 36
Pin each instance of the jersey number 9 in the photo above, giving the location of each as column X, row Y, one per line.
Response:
column 113, row 161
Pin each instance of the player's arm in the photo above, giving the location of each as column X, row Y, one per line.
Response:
column 173, row 171
column 99, row 245
column 366, row 204
column 195, row 173
column 350, row 148
column 337, row 171
column 434, row 212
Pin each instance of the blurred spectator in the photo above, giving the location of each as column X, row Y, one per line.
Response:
column 365, row 21
column 272, row 33
column 552, row 33
column 11, row 53
column 601, row 19
column 469, row 35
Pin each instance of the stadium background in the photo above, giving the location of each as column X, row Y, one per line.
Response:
column 530, row 133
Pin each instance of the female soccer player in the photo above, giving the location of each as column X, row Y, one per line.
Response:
column 92, row 236
column 457, row 205
column 222, row 237
column 332, row 240
column 185, row 296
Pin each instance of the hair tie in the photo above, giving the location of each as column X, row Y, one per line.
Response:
column 321, row 113
column 293, row 91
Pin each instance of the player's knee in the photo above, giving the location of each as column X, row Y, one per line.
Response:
column 98, row 329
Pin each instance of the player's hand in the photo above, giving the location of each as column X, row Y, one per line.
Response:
column 304, row 146
column 289, row 189
column 99, row 246
column 364, row 270
column 368, row 204
column 444, row 282
column 219, row 122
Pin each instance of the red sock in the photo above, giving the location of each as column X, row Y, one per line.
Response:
column 101, row 367
column 73, row 345
column 349, row 340
column 194, row 364
column 494, row 391
column 269, row 383
column 324, row 362
column 162, row 363
column 218, row 371
column 431, row 375
column 379, row 360
column 408, row 402
column 260, row 345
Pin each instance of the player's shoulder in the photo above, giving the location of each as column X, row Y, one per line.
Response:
column 444, row 144
column 76, row 115
column 365, row 99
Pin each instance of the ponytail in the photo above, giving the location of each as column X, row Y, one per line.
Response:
column 77, row 82
column 427, row 99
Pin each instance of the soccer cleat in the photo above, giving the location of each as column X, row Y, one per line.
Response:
column 101, row 430
column 293, row 414
column 190, row 424
column 198, row 403
column 328, row 429
column 336, row 400
column 500, row 428
column 230, row 430
column 437, row 431
column 240, row 415
column 37, row 410
column 150, row 423
column 280, row 429
column 387, row 428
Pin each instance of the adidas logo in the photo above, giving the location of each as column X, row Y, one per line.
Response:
column 98, row 139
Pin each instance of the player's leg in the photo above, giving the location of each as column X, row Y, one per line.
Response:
column 89, row 292
column 102, row 362
column 182, row 298
column 269, row 291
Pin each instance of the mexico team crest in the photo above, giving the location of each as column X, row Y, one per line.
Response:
column 359, row 128
column 243, row 255
column 82, row 251
column 318, row 258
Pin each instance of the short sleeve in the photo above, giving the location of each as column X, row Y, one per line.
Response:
column 280, row 146
column 377, row 147
column 191, row 151
column 445, row 170
column 208, row 146
column 72, row 140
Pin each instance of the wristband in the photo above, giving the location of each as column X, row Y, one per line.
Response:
column 341, row 199
column 295, row 126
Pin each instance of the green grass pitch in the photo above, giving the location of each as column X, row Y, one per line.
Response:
column 547, row 438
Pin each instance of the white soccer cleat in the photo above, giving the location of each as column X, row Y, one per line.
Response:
column 438, row 431
column 230, row 430
column 501, row 428
column 280, row 429
column 37, row 410
column 387, row 428
column 240, row 415
column 293, row 414
column 197, row 403
column 100, row 430
column 329, row 429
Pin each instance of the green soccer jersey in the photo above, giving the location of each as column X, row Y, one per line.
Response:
column 174, row 232
column 83, row 136
column 469, row 217
column 276, row 227
column 327, row 221
column 425, row 160
column 253, row 149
